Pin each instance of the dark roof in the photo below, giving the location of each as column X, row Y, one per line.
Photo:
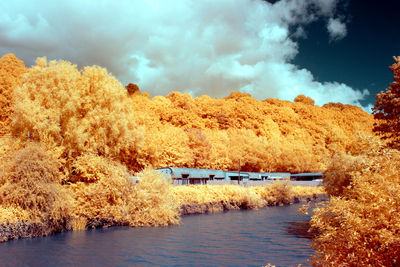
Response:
column 307, row 174
column 194, row 173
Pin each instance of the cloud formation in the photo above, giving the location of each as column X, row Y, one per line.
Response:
column 199, row 47
column 337, row 29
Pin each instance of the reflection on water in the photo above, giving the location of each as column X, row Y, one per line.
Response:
column 234, row 238
column 301, row 229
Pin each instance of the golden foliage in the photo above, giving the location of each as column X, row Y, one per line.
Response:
column 236, row 197
column 153, row 203
column 94, row 133
column 232, row 196
column 360, row 226
column 75, row 112
column 11, row 69
column 103, row 194
column 304, row 209
column 89, row 112
column 78, row 223
column 30, row 183
column 265, row 135
column 109, row 197
column 304, row 99
column 308, row 191
column 13, row 214
column 276, row 194
column 338, row 177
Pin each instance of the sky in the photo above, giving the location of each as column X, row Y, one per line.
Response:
column 329, row 50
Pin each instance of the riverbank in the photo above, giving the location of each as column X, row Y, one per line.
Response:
column 202, row 208
column 234, row 238
column 191, row 200
column 217, row 198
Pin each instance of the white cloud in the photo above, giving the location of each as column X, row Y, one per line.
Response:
column 299, row 33
column 368, row 108
column 337, row 29
column 201, row 47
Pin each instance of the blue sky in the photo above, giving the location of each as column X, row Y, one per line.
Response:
column 362, row 57
column 330, row 50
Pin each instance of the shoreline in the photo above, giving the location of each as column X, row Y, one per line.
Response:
column 21, row 230
column 221, row 206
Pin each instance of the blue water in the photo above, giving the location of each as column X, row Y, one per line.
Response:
column 234, row 238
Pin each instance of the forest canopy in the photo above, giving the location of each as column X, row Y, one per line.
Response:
column 88, row 112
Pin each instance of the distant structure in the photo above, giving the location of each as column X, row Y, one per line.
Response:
column 185, row 176
column 308, row 176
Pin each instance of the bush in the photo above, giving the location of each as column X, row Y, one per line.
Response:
column 152, row 203
column 339, row 176
column 109, row 197
column 361, row 226
column 276, row 194
column 30, row 184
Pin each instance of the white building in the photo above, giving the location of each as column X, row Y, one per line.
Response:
column 184, row 176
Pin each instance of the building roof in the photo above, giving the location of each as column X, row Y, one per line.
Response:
column 176, row 172
column 193, row 173
column 256, row 175
column 308, row 174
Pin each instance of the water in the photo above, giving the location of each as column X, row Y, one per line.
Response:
column 234, row 238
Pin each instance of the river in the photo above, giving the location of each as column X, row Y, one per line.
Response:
column 234, row 238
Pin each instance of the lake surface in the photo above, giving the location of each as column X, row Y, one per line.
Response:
column 234, row 238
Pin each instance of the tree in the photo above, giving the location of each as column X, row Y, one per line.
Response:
column 11, row 69
column 305, row 100
column 200, row 148
column 387, row 110
column 76, row 112
column 133, row 89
